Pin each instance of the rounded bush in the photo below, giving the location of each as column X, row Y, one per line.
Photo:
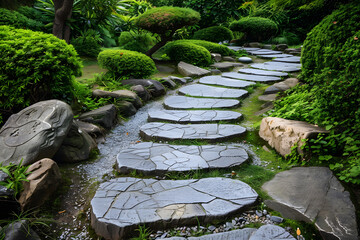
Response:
column 214, row 34
column 127, row 64
column 18, row 20
column 162, row 19
column 189, row 53
column 210, row 46
column 39, row 66
column 140, row 42
column 255, row 28
column 88, row 44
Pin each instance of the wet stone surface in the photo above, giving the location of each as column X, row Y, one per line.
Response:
column 263, row 72
column 226, row 82
column 181, row 102
column 251, row 77
column 193, row 116
column 158, row 159
column 121, row 204
column 264, row 52
column 293, row 59
column 210, row 132
column 200, row 90
column 276, row 56
column 276, row 67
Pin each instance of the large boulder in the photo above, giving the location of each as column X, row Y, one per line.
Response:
column 313, row 194
column 189, row 70
column 44, row 178
column 77, row 146
column 105, row 116
column 155, row 88
column 283, row 134
column 35, row 132
column 120, row 94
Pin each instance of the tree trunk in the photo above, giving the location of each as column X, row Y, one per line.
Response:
column 163, row 41
column 63, row 10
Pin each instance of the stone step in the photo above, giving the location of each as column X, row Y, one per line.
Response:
column 274, row 67
column 236, row 48
column 251, row 77
column 226, row 82
column 263, row 72
column 276, row 56
column 293, row 59
column 171, row 132
column 265, row 232
column 264, row 52
column 298, row 65
column 181, row 102
column 193, row 116
column 158, row 159
column 200, row 90
column 122, row 204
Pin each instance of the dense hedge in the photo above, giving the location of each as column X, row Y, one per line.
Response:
column 126, row 64
column 330, row 97
column 18, row 20
column 136, row 41
column 189, row 52
column 35, row 14
column 210, row 46
column 214, row 34
column 162, row 19
column 255, row 28
column 34, row 66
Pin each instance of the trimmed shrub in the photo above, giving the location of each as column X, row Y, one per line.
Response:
column 126, row 64
column 189, row 52
column 255, row 28
column 136, row 41
column 88, row 44
column 210, row 46
column 34, row 66
column 18, row 20
column 214, row 34
column 162, row 19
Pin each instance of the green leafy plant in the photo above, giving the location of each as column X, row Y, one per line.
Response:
column 126, row 64
column 18, row 20
column 144, row 233
column 88, row 44
column 210, row 46
column 214, row 34
column 136, row 41
column 16, row 176
column 189, row 53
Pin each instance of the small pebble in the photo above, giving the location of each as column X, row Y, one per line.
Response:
column 276, row 219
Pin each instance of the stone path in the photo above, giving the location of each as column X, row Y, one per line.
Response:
column 226, row 82
column 159, row 159
column 255, row 78
column 121, row 204
column 200, row 90
column 194, row 116
column 171, row 132
column 292, row 59
column 275, row 56
column 181, row 102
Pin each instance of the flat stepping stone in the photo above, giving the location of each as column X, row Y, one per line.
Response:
column 265, row 232
column 200, row 90
column 293, row 59
column 284, row 64
column 159, row 159
column 226, row 82
column 263, row 72
column 193, row 116
column 251, row 77
column 313, row 194
column 171, row 132
column 248, row 49
column 272, row 67
column 245, row 60
column 264, row 52
column 122, row 204
column 276, row 56
column 181, row 102
column 235, row 48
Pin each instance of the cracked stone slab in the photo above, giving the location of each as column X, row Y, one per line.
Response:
column 181, row 102
column 263, row 72
column 293, row 59
column 193, row 116
column 158, row 159
column 276, row 56
column 121, row 204
column 251, row 77
column 265, row 232
column 275, row 67
column 226, row 82
column 170, row 132
column 313, row 194
column 200, row 90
